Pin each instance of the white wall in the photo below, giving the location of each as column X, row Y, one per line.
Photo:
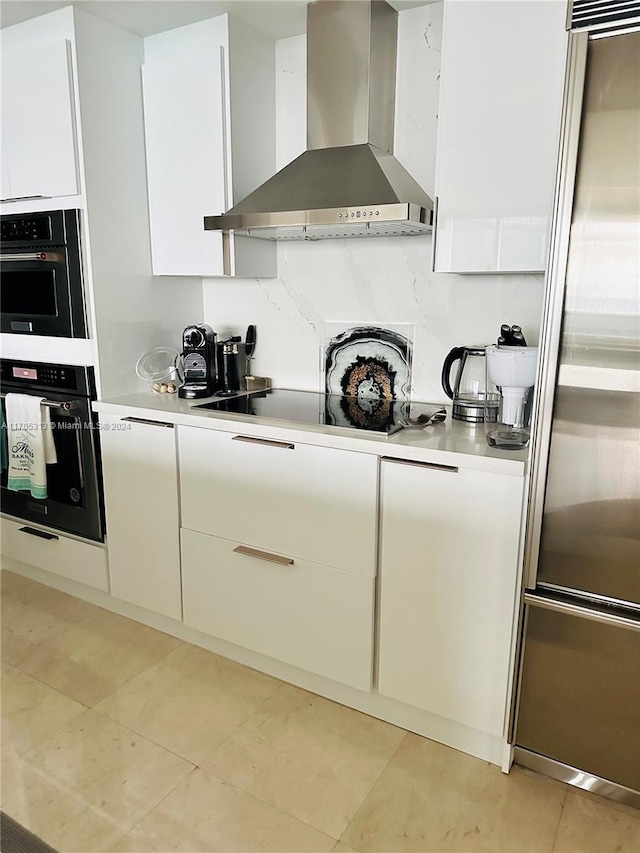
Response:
column 383, row 280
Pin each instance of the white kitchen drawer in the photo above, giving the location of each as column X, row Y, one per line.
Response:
column 314, row 503
column 70, row 558
column 314, row 617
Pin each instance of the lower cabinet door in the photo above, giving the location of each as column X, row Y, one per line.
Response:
column 449, row 568
column 141, row 504
column 311, row 616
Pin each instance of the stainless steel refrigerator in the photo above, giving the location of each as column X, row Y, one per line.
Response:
column 577, row 713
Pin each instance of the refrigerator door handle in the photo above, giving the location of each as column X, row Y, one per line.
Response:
column 582, row 610
column 554, row 300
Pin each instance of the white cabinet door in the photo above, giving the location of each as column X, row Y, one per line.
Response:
column 449, row 565
column 501, row 89
column 315, row 503
column 141, row 503
column 38, row 126
column 204, row 90
column 314, row 617
column 186, row 148
column 5, row 183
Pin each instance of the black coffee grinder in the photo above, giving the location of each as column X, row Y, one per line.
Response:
column 199, row 360
column 233, row 363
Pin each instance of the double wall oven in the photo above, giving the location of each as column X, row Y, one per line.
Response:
column 43, row 294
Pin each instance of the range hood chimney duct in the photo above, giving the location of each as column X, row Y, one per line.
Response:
column 347, row 183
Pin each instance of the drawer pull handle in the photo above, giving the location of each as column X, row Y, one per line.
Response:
column 452, row 469
column 41, row 534
column 263, row 555
column 148, row 422
column 284, row 445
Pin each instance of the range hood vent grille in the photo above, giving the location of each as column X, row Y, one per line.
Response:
column 326, row 232
column 347, row 183
column 603, row 14
column 396, row 226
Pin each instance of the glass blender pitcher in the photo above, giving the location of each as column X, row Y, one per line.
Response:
column 511, row 374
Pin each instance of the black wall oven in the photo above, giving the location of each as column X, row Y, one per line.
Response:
column 74, row 503
column 41, row 268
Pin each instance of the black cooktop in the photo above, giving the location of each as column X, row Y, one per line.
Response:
column 310, row 407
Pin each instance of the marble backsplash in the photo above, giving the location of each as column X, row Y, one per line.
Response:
column 368, row 282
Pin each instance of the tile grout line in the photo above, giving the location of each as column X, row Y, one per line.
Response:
column 374, row 783
column 28, row 758
column 144, row 737
column 208, row 772
column 55, row 633
column 142, row 671
column 159, row 660
column 211, row 772
column 154, row 807
column 49, row 686
column 81, row 623
column 564, row 802
column 242, row 723
column 162, row 746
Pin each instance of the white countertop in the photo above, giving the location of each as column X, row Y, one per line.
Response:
column 448, row 443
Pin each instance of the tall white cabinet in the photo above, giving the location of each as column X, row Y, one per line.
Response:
column 501, row 88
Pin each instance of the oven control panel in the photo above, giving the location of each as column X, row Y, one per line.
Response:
column 55, row 376
column 18, row 375
column 26, row 229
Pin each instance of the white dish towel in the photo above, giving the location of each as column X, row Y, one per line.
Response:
column 30, row 444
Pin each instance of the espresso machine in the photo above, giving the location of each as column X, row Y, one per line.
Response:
column 199, row 361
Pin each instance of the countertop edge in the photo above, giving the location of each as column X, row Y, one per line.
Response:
column 450, row 443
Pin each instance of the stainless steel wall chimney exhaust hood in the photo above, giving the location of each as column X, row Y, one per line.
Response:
column 347, row 183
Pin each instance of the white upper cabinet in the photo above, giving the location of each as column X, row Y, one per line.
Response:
column 501, row 91
column 38, row 128
column 209, row 125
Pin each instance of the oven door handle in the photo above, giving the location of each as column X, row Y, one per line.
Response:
column 31, row 256
column 80, row 426
column 67, row 405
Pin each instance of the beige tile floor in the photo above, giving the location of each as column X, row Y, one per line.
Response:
column 118, row 737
